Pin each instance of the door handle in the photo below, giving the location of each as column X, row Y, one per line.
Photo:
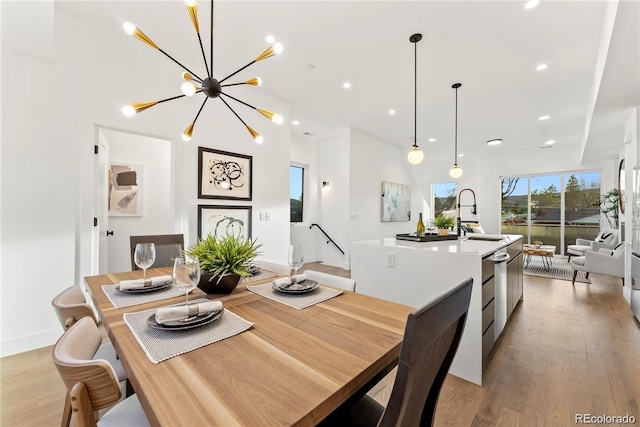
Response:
column 109, row 233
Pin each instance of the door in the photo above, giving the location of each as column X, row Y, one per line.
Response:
column 99, row 259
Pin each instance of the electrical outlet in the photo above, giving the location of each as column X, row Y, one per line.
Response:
column 391, row 259
column 267, row 216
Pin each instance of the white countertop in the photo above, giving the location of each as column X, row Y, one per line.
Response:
column 463, row 245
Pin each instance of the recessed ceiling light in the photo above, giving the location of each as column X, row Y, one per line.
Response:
column 392, row 112
column 346, row 85
column 544, row 117
column 461, row 155
column 531, row 4
column 295, row 122
column 550, row 142
column 494, row 141
column 432, row 140
column 541, row 67
column 270, row 39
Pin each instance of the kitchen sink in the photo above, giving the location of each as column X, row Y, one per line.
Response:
column 487, row 237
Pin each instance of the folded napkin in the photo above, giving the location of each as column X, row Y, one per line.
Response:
column 288, row 281
column 141, row 283
column 180, row 312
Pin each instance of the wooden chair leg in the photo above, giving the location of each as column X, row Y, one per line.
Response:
column 573, row 280
column 66, row 414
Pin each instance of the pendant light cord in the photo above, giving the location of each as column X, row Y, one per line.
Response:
column 415, row 97
column 455, row 154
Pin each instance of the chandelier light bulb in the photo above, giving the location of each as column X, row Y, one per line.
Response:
column 190, row 3
column 278, row 119
column 258, row 139
column 186, row 135
column 128, row 110
column 128, row 28
column 278, row 48
column 186, row 138
column 188, row 88
column 259, row 81
column 456, row 171
column 415, row 156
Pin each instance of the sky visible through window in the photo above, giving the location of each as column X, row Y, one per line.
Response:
column 295, row 182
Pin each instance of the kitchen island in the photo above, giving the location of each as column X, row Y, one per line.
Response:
column 414, row 273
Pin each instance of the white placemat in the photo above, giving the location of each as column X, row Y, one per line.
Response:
column 263, row 274
column 161, row 345
column 298, row 301
column 123, row 299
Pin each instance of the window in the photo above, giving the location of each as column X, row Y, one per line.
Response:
column 444, row 198
column 296, row 192
column 555, row 209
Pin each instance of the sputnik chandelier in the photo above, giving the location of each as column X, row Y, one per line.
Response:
column 209, row 86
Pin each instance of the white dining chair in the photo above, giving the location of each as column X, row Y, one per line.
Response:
column 331, row 280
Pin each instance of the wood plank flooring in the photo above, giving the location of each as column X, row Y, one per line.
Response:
column 566, row 350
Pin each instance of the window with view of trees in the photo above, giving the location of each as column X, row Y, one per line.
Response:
column 444, row 197
column 555, row 209
column 296, row 192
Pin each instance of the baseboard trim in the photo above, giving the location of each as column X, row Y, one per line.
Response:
column 29, row 342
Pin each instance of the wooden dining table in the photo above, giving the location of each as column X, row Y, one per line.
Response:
column 291, row 368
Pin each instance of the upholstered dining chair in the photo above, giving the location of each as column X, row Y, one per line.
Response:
column 606, row 239
column 92, row 383
column 70, row 306
column 168, row 248
column 605, row 261
column 331, row 280
column 431, row 340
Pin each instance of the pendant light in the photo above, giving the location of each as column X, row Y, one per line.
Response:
column 416, row 155
column 455, row 171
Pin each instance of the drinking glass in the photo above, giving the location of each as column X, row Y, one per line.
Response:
column 296, row 257
column 186, row 274
column 144, row 256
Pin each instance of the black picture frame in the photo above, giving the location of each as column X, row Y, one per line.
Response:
column 222, row 220
column 621, row 185
column 215, row 167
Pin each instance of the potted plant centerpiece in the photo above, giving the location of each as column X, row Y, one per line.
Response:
column 223, row 262
column 443, row 224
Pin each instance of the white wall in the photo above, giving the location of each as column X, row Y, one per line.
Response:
column 155, row 195
column 631, row 154
column 47, row 161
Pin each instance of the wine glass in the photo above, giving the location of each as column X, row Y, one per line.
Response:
column 186, row 274
column 296, row 257
column 144, row 257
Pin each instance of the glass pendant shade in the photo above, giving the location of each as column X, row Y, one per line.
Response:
column 415, row 156
column 455, row 171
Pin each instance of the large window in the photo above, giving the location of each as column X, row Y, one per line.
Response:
column 555, row 209
column 296, row 192
column 444, row 198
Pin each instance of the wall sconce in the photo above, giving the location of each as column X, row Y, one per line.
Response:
column 326, row 185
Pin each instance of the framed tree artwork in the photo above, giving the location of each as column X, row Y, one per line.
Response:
column 224, row 175
column 223, row 221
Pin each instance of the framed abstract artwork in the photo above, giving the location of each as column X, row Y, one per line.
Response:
column 396, row 202
column 224, row 175
column 222, row 221
column 125, row 189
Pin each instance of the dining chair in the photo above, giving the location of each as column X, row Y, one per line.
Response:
column 70, row 306
column 168, row 248
column 285, row 270
column 92, row 383
column 431, row 340
column 331, row 280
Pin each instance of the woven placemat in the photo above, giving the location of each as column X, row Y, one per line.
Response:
column 298, row 301
column 123, row 299
column 161, row 345
column 262, row 275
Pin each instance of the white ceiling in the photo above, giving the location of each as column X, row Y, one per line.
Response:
column 491, row 47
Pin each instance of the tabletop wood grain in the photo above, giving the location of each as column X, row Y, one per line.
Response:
column 292, row 368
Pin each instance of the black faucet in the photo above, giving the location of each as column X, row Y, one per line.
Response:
column 473, row 211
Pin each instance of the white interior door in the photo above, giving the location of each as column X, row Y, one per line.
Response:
column 101, row 218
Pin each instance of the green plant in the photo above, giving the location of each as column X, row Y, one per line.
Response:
column 224, row 257
column 444, row 222
column 609, row 207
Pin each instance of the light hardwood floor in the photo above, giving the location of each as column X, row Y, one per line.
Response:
column 566, row 350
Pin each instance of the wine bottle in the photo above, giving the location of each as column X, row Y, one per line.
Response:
column 420, row 226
